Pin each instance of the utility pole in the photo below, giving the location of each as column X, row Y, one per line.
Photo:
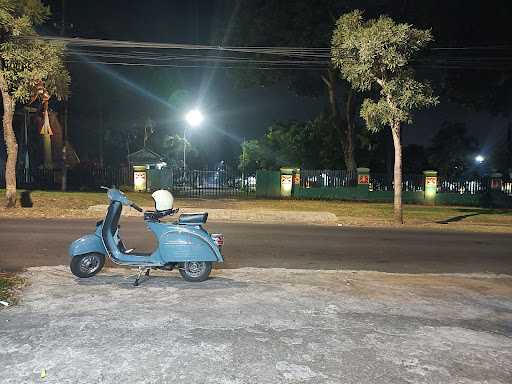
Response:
column 184, row 150
column 102, row 135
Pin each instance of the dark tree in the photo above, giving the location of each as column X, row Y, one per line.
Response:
column 453, row 150
column 304, row 144
column 300, row 24
column 415, row 159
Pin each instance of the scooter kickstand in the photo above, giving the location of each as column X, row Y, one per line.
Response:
column 139, row 274
column 137, row 279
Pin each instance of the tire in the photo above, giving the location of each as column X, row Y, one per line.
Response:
column 87, row 265
column 196, row 271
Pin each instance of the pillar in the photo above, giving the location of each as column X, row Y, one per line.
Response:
column 430, row 186
column 286, row 182
column 139, row 178
column 363, row 182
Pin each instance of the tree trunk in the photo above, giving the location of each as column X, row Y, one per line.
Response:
column 12, row 147
column 346, row 128
column 64, row 183
column 397, row 179
column 350, row 133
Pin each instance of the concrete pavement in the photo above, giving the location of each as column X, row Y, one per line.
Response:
column 259, row 326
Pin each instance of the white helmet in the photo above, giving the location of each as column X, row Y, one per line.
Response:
column 163, row 200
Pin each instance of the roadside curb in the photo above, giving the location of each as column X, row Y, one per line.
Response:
column 254, row 215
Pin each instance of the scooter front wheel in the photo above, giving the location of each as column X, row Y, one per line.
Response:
column 87, row 265
column 196, row 271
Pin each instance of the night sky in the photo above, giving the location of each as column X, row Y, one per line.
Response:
column 233, row 112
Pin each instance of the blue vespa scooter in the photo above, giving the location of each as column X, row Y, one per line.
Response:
column 183, row 244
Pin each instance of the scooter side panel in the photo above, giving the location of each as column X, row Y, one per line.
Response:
column 87, row 244
column 182, row 243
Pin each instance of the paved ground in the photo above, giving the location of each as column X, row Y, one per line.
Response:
column 26, row 243
column 259, row 326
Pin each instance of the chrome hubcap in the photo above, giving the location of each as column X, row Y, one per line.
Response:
column 194, row 268
column 89, row 264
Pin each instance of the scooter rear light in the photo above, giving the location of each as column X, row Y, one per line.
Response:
column 218, row 239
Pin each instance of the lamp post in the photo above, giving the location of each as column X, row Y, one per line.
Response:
column 480, row 163
column 194, row 118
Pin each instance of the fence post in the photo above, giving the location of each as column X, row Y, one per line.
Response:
column 430, row 186
column 139, row 178
column 363, row 183
column 286, row 181
column 496, row 181
column 296, row 181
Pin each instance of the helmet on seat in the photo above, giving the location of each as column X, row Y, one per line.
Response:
column 163, row 200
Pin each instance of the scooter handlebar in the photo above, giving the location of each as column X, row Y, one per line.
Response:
column 136, row 207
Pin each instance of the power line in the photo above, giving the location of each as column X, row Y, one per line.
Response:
column 194, row 58
column 111, row 53
column 195, row 66
column 151, row 45
column 77, row 41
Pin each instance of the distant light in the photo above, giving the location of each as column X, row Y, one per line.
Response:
column 479, row 159
column 194, row 117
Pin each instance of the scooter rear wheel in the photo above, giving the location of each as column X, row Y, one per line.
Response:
column 196, row 271
column 87, row 265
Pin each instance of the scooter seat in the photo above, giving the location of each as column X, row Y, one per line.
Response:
column 193, row 218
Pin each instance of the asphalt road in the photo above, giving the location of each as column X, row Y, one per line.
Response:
column 40, row 242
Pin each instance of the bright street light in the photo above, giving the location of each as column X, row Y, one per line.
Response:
column 479, row 159
column 194, row 117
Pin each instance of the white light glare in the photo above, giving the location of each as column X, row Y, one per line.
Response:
column 479, row 159
column 194, row 117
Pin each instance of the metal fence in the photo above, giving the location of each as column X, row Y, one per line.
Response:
column 384, row 182
column 507, row 185
column 192, row 183
column 473, row 185
column 327, row 178
column 78, row 179
column 209, row 183
column 231, row 182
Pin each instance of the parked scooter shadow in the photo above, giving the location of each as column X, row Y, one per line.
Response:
column 125, row 281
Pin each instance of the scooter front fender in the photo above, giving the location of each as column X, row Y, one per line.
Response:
column 87, row 244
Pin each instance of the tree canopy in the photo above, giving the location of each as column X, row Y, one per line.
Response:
column 26, row 61
column 379, row 52
column 305, row 144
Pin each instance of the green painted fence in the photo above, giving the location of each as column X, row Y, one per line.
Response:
column 268, row 184
column 408, row 197
column 376, row 188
